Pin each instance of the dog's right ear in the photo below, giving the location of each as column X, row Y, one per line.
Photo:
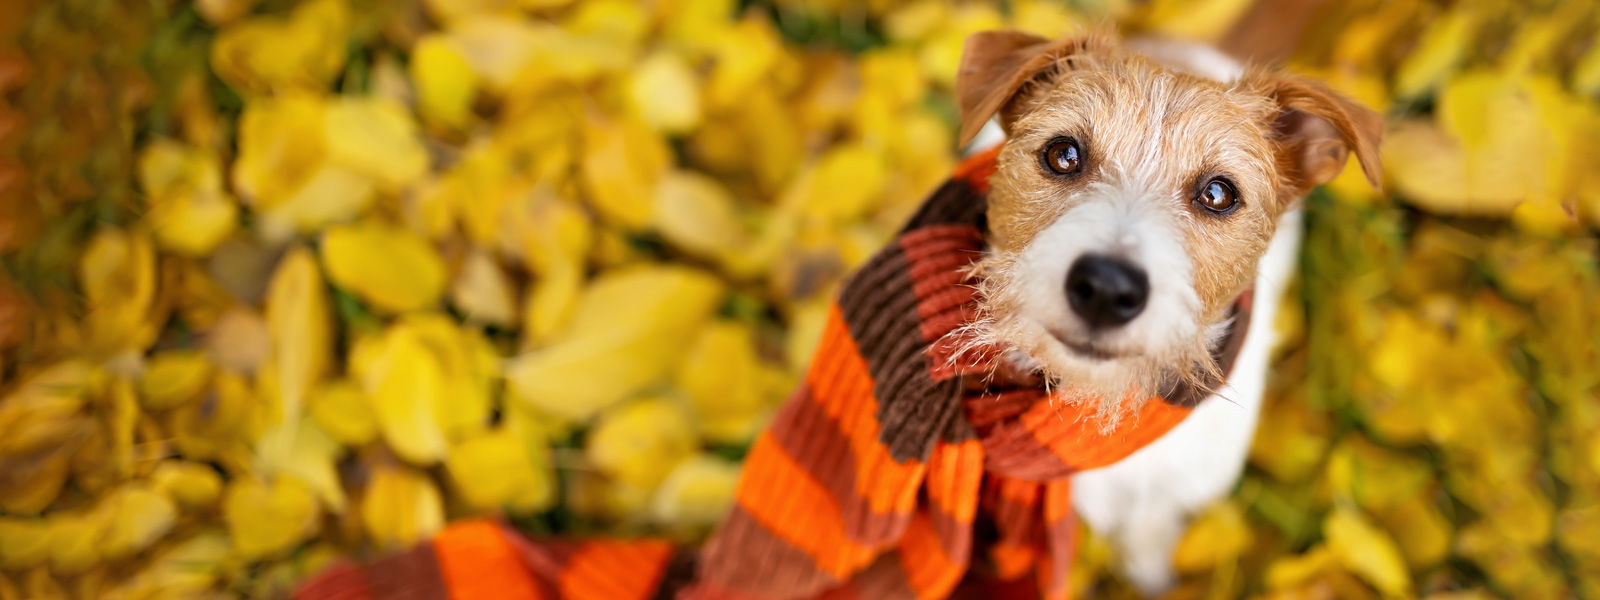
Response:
column 996, row 65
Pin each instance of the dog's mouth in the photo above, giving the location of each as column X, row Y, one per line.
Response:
column 1087, row 348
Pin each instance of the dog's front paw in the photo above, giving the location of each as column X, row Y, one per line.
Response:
column 1146, row 550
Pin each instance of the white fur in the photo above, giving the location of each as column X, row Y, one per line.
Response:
column 1117, row 219
column 1141, row 504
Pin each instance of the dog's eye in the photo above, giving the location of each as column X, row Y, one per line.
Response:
column 1218, row 196
column 1061, row 156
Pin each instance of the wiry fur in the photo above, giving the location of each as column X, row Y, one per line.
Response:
column 1150, row 137
column 1151, row 134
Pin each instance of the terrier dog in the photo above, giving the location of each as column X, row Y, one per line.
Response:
column 1142, row 189
column 1113, row 239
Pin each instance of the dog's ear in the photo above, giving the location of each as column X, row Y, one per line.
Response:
column 1317, row 129
column 996, row 65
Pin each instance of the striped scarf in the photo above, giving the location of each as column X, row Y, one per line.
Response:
column 893, row 472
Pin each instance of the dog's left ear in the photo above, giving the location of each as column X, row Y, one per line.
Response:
column 996, row 65
column 1316, row 129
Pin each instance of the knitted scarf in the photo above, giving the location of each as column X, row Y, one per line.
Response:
column 893, row 472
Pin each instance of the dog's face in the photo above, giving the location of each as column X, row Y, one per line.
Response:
column 1132, row 202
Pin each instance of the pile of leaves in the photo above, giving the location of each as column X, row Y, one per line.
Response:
column 288, row 281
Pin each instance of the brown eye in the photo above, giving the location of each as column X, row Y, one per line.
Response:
column 1061, row 156
column 1218, row 196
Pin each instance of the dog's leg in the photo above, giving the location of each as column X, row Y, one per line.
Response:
column 1140, row 505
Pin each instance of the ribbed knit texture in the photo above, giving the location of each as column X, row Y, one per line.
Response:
column 893, row 472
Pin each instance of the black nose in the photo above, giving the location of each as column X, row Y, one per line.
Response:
column 1106, row 291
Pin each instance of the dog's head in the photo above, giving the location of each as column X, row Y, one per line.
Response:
column 1133, row 200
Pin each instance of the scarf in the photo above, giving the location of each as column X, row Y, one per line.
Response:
column 894, row 471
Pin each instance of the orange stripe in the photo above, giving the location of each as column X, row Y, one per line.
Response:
column 954, row 474
column 975, row 170
column 477, row 562
column 788, row 501
column 1069, row 431
column 840, row 381
column 1012, row 560
column 614, row 570
column 929, row 572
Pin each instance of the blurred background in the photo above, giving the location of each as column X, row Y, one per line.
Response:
column 288, row 281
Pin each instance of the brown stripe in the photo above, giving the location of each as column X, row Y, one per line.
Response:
column 1013, row 506
column 954, row 202
column 881, row 314
column 678, row 573
column 883, row 579
column 410, row 575
column 813, row 440
column 1012, row 450
column 342, row 582
column 881, row 310
column 545, row 559
column 744, row 557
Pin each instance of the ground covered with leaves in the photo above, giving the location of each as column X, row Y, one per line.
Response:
column 282, row 282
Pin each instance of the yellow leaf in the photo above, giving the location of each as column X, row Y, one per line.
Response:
column 469, row 365
column 638, row 443
column 75, row 541
column 1439, row 52
column 482, row 291
column 275, row 156
column 1289, row 571
column 551, row 303
column 663, row 93
column 1218, row 535
column 626, row 334
column 502, row 468
column 447, row 10
column 444, row 81
column 189, row 211
column 723, row 378
column 1420, row 529
column 696, row 213
column 173, row 378
column 267, row 519
column 697, row 494
column 239, row 340
column 135, row 517
column 219, row 422
column 194, row 486
column 311, row 459
column 341, row 410
column 118, row 275
column 24, row 542
column 842, row 185
column 400, row 507
column 389, row 268
column 330, row 194
column 376, row 138
column 404, row 385
column 1206, row 21
column 297, row 316
column 193, row 224
column 622, row 163
column 1367, row 551
column 1586, row 72
column 743, row 54
column 186, row 569
column 265, row 54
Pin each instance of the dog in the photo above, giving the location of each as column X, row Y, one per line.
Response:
column 1142, row 189
column 1011, row 358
